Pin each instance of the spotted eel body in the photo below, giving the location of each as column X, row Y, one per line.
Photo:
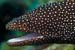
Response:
column 51, row 23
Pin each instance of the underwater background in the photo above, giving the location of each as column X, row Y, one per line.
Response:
column 10, row 9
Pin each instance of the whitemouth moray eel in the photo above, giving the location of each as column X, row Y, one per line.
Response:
column 50, row 23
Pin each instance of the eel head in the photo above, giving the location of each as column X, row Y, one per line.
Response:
column 28, row 39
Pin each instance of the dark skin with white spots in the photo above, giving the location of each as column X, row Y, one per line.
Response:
column 51, row 23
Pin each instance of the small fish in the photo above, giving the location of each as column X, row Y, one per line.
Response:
column 50, row 23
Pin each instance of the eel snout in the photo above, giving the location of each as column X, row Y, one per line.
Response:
column 17, row 24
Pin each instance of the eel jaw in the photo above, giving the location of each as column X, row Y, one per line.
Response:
column 29, row 39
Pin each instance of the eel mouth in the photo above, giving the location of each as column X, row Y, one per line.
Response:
column 28, row 39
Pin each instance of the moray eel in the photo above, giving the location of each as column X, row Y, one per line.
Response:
column 50, row 23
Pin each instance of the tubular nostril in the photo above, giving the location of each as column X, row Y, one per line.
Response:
column 10, row 25
column 7, row 26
